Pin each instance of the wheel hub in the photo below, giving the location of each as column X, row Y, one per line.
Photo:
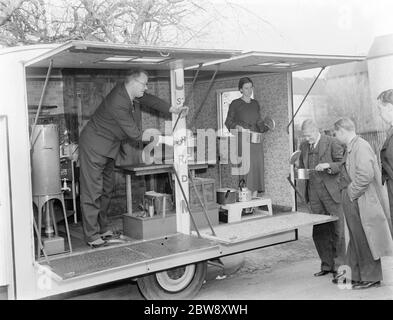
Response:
column 176, row 279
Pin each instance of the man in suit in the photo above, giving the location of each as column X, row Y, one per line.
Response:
column 385, row 108
column 116, row 119
column 366, row 209
column 325, row 155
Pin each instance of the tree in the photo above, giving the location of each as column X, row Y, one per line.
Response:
column 156, row 22
column 7, row 8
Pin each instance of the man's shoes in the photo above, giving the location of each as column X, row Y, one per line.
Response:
column 97, row 243
column 365, row 285
column 321, row 273
column 107, row 235
column 337, row 276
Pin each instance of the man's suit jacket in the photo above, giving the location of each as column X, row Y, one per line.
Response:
column 117, row 119
column 332, row 152
column 387, row 157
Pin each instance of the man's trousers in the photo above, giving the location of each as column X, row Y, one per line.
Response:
column 328, row 237
column 96, row 188
column 359, row 257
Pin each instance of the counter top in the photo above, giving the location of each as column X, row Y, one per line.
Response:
column 143, row 169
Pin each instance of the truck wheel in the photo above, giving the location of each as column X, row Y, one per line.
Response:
column 177, row 283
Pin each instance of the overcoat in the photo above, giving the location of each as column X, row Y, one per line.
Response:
column 366, row 187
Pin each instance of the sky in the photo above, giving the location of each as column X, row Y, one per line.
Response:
column 328, row 27
column 345, row 27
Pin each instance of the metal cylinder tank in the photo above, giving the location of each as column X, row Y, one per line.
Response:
column 380, row 65
column 46, row 160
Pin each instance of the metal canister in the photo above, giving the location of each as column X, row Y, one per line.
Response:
column 255, row 137
column 151, row 210
column 46, row 160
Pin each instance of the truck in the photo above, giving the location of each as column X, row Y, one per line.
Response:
column 171, row 266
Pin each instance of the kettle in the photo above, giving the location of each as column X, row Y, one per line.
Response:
column 244, row 194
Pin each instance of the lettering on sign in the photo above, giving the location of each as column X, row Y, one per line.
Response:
column 182, row 159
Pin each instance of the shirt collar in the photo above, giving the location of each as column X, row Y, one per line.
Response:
column 350, row 144
column 316, row 141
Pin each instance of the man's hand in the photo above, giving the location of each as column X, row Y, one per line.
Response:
column 322, row 166
column 177, row 110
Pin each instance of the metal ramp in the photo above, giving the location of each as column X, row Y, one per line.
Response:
column 139, row 258
column 262, row 232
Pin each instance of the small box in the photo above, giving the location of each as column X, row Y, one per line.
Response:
column 149, row 227
column 200, row 218
column 157, row 199
column 223, row 215
column 53, row 245
column 206, row 190
column 158, row 226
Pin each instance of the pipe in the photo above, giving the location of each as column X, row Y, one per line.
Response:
column 41, row 100
column 202, row 204
column 299, row 194
column 205, row 97
column 304, row 99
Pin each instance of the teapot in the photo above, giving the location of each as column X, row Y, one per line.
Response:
column 244, row 194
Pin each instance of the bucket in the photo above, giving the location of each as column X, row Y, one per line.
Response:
column 303, row 174
column 226, row 195
column 255, row 137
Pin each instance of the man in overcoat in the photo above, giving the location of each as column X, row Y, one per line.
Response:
column 366, row 209
column 324, row 155
column 116, row 119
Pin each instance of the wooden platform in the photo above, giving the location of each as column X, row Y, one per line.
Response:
column 235, row 209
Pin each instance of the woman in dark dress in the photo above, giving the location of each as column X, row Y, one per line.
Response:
column 245, row 114
column 385, row 106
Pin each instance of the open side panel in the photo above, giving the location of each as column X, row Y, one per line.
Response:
column 276, row 62
column 260, row 228
column 99, row 55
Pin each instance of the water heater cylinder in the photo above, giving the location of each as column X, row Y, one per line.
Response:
column 380, row 66
column 46, row 160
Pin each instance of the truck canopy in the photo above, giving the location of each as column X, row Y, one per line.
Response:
column 98, row 55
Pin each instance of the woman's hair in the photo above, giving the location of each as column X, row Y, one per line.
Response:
column 386, row 96
column 243, row 81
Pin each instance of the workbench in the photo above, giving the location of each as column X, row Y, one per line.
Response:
column 144, row 170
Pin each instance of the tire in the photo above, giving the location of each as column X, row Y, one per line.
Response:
column 178, row 283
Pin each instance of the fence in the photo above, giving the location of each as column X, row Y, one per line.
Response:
column 376, row 140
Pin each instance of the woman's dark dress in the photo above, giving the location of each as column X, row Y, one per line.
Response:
column 248, row 116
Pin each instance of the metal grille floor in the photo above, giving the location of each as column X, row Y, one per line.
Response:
column 102, row 259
